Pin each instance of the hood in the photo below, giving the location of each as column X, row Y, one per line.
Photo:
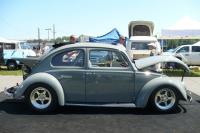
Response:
column 30, row 61
column 152, row 60
column 167, row 53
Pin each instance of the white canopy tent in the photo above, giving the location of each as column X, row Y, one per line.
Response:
column 185, row 28
column 3, row 40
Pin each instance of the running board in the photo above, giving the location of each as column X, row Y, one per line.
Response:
column 124, row 105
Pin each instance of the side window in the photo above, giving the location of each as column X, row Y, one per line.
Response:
column 69, row 58
column 9, row 46
column 107, row 58
column 195, row 48
column 183, row 49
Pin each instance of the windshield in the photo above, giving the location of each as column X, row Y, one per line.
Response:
column 174, row 50
column 140, row 45
column 24, row 45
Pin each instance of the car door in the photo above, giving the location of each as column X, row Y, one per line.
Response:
column 184, row 54
column 69, row 69
column 109, row 77
column 195, row 55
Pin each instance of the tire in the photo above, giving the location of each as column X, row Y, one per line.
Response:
column 164, row 99
column 11, row 65
column 41, row 98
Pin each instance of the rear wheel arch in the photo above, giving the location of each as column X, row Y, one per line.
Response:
column 47, row 79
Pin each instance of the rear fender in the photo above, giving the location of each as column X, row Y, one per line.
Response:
column 42, row 78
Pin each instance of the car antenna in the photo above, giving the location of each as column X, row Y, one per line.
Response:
column 183, row 75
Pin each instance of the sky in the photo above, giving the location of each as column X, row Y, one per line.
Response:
column 20, row 19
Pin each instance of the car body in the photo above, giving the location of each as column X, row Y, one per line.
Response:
column 75, row 75
column 15, row 49
column 190, row 54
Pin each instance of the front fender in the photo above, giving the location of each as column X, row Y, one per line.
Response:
column 145, row 93
column 42, row 78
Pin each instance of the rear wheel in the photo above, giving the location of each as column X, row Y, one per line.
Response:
column 11, row 65
column 164, row 99
column 41, row 98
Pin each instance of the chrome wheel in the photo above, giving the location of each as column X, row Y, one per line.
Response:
column 165, row 99
column 40, row 98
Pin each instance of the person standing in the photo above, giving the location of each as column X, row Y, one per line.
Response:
column 72, row 39
column 122, row 42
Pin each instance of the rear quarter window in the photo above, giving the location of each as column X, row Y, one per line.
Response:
column 69, row 58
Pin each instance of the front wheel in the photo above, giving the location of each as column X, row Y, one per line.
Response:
column 41, row 98
column 164, row 99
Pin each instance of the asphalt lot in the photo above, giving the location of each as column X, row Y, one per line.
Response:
column 15, row 117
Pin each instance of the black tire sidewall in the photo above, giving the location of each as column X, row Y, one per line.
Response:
column 54, row 100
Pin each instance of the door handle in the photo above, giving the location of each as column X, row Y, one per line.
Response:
column 186, row 54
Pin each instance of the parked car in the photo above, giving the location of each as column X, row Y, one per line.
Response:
column 1, row 54
column 69, row 75
column 190, row 54
column 15, row 49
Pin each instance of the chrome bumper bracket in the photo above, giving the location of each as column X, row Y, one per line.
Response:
column 10, row 91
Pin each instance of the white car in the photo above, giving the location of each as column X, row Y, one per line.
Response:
column 190, row 54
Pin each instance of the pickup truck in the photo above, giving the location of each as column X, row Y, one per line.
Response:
column 190, row 54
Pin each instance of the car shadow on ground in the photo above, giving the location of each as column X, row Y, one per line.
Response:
column 19, row 107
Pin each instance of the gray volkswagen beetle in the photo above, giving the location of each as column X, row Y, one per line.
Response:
column 91, row 74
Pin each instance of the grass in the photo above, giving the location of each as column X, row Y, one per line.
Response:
column 178, row 72
column 5, row 72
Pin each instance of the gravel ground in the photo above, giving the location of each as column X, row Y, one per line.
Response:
column 9, row 81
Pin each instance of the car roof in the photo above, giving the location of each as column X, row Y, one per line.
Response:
column 85, row 45
column 90, row 45
column 185, row 45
